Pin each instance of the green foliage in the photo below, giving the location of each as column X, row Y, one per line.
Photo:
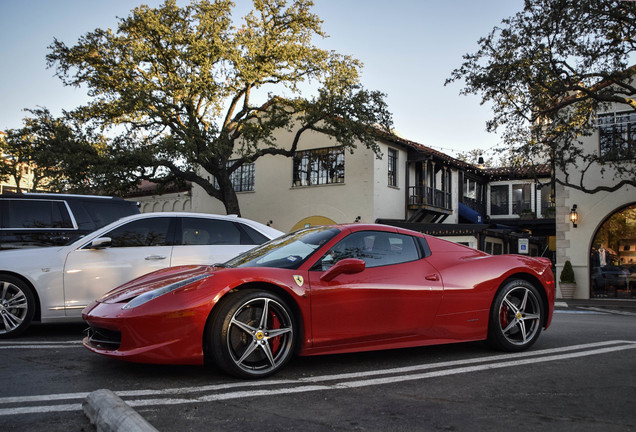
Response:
column 547, row 70
column 60, row 156
column 183, row 85
column 567, row 274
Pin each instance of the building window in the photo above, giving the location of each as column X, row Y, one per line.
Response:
column 472, row 189
column 617, row 135
column 242, row 179
column 546, row 200
column 393, row 160
column 494, row 247
column 499, row 200
column 319, row 166
column 521, row 198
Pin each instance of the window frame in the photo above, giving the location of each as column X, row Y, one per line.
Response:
column 419, row 247
column 168, row 241
column 61, row 206
column 393, row 157
column 612, row 126
column 307, row 170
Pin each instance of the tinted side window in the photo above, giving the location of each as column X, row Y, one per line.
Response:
column 253, row 236
column 144, row 232
column 375, row 248
column 103, row 213
column 36, row 214
column 93, row 214
column 200, row 231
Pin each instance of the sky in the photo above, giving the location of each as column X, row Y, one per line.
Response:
column 408, row 47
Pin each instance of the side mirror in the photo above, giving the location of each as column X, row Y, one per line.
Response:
column 101, row 243
column 345, row 266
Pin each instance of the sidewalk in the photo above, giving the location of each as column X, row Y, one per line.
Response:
column 615, row 304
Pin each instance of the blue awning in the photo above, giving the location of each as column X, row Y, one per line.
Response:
column 470, row 214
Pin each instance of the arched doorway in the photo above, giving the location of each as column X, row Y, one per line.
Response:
column 312, row 221
column 613, row 256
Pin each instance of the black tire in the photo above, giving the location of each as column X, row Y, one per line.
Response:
column 17, row 306
column 516, row 317
column 252, row 334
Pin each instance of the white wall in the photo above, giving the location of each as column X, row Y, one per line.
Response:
column 389, row 201
column 365, row 192
column 574, row 244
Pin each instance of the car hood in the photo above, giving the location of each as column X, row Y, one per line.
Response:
column 13, row 258
column 154, row 280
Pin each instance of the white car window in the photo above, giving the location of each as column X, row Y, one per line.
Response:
column 143, row 232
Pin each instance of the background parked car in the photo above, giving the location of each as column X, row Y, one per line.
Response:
column 34, row 219
column 607, row 279
column 55, row 284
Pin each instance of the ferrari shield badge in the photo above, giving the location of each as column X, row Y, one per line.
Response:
column 299, row 280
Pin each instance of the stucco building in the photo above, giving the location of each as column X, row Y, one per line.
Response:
column 579, row 241
column 408, row 184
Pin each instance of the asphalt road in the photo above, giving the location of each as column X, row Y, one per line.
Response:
column 581, row 375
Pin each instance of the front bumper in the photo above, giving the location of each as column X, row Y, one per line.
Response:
column 169, row 337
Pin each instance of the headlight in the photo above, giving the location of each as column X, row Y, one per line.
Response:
column 151, row 295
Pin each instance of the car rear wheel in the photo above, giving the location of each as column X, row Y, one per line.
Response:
column 516, row 317
column 252, row 334
column 17, row 306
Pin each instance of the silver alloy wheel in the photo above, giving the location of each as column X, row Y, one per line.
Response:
column 14, row 306
column 520, row 316
column 260, row 336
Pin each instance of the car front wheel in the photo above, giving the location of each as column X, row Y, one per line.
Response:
column 516, row 317
column 252, row 334
column 17, row 306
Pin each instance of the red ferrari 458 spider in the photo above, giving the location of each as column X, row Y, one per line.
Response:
column 321, row 290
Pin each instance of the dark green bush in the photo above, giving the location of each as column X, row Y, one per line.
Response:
column 567, row 274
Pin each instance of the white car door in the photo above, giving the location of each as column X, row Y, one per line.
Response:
column 137, row 247
column 209, row 241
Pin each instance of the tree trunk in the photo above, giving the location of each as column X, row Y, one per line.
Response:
column 230, row 200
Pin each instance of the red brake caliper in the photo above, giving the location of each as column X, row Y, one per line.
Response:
column 503, row 316
column 274, row 324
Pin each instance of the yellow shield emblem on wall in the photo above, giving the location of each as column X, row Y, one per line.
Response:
column 299, row 280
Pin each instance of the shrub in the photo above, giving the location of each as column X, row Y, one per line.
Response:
column 567, row 274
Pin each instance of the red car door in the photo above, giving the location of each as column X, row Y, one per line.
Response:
column 395, row 297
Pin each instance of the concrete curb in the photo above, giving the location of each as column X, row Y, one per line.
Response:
column 109, row 413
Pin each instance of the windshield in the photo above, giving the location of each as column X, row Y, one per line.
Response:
column 288, row 252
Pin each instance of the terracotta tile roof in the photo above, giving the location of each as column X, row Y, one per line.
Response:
column 529, row 171
column 428, row 150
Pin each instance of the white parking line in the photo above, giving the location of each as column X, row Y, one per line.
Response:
column 40, row 344
column 243, row 389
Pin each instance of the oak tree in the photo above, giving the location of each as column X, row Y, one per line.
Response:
column 194, row 95
column 547, row 71
column 52, row 154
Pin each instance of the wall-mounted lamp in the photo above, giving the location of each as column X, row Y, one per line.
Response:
column 574, row 216
column 357, row 219
column 270, row 222
column 480, row 162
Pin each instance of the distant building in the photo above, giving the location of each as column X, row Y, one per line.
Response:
column 410, row 185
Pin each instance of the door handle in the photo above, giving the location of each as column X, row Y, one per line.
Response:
column 155, row 257
column 432, row 277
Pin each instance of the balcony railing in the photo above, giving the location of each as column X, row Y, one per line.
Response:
column 426, row 196
column 473, row 204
